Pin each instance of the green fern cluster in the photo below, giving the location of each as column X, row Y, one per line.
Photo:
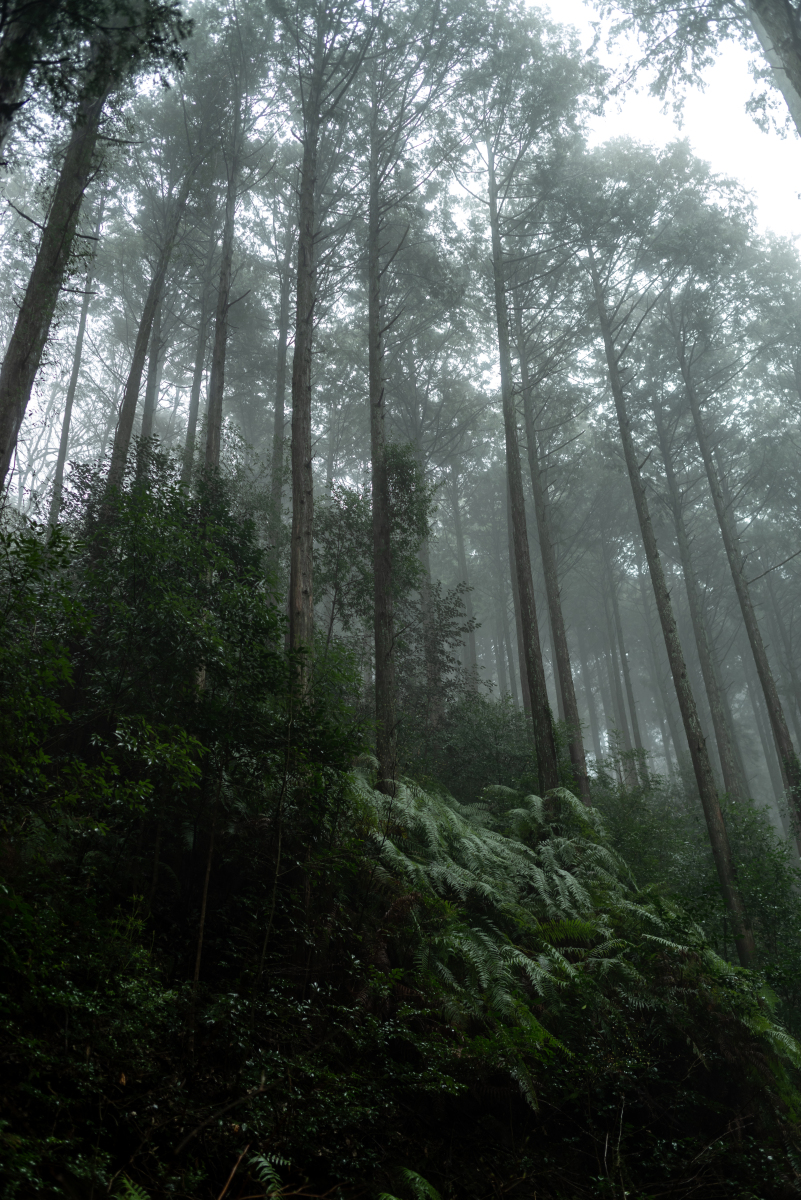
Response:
column 522, row 909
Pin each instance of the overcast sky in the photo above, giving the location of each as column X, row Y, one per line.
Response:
column 717, row 126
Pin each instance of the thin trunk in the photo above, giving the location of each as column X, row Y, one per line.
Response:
column 301, row 605
column 200, row 361
column 34, row 318
column 500, row 660
column 61, row 460
column 153, row 385
column 665, row 713
column 754, row 693
column 588, row 695
column 787, row 660
column 383, row 611
column 566, row 691
column 472, row 658
column 732, row 780
column 624, row 667
column 277, row 464
column 791, row 767
column 521, row 657
column 503, row 615
column 217, row 374
column 718, row 836
column 547, row 765
column 130, row 398
column 616, row 685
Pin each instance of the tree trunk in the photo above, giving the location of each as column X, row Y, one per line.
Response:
column 24, row 354
column 153, row 385
column 588, row 696
column 521, row 658
column 563, row 671
column 616, row 687
column 502, row 610
column 200, row 362
column 718, row 836
column 384, row 622
column 277, row 464
column 666, row 713
column 130, row 398
column 791, row 767
column 301, row 605
column 547, row 765
column 217, row 373
column 732, row 781
column 471, row 663
column 775, row 23
column 787, row 659
column 61, row 460
column 624, row 665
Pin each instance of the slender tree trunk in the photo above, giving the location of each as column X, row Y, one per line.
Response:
column 588, row 695
column 626, row 671
column 718, row 836
column 732, row 781
column 200, row 361
column 384, row 620
column 791, row 767
column 616, row 687
column 61, row 460
column 562, row 669
column 301, row 605
column 787, row 659
column 277, row 464
column 217, row 374
column 32, row 326
column 665, row 713
column 521, row 658
column 471, row 663
column 130, row 398
column 547, row 765
column 153, row 385
column 501, row 611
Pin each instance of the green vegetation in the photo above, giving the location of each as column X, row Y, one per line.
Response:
column 221, row 946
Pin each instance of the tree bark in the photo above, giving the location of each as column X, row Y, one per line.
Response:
column 788, row 759
column 384, row 620
column 563, row 671
column 277, row 463
column 525, row 690
column 666, row 714
column 471, row 662
column 732, row 780
column 301, row 604
column 588, row 696
column 718, row 836
column 777, row 28
column 502, row 609
column 130, row 397
column 626, row 672
column 153, row 385
column 200, row 362
column 61, row 460
column 24, row 354
column 217, row 374
column 547, row 765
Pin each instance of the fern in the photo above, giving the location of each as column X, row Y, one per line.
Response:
column 130, row 1191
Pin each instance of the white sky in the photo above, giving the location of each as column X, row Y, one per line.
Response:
column 716, row 124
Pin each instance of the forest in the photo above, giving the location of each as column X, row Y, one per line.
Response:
column 400, row 644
